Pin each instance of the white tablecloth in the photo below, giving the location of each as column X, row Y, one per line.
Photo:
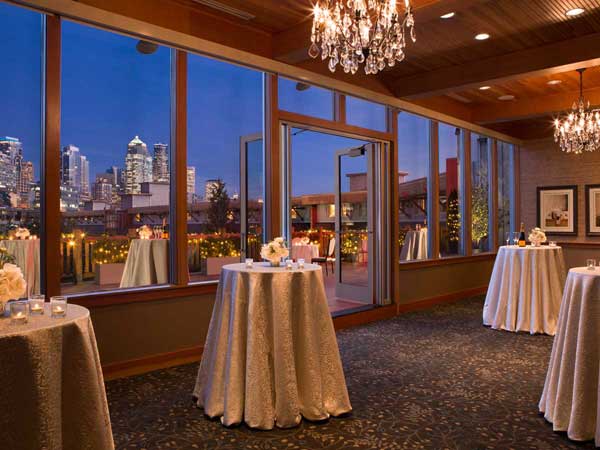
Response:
column 307, row 252
column 147, row 263
column 415, row 245
column 525, row 290
column 271, row 355
column 570, row 396
column 27, row 256
column 52, row 391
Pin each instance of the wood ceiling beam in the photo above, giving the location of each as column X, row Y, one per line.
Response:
column 527, row 108
column 545, row 60
column 291, row 46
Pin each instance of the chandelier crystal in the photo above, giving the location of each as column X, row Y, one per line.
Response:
column 579, row 131
column 355, row 32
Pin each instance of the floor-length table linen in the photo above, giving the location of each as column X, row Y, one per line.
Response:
column 146, row 264
column 415, row 245
column 525, row 290
column 52, row 391
column 570, row 399
column 271, row 355
column 27, row 257
column 304, row 251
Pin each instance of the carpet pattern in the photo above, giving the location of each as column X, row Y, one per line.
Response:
column 435, row 379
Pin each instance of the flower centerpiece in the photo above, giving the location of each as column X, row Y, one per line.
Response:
column 537, row 236
column 12, row 284
column 145, row 232
column 274, row 251
column 305, row 240
column 22, row 233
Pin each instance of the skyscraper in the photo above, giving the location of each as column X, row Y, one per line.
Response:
column 191, row 183
column 103, row 188
column 85, row 179
column 160, row 163
column 24, row 177
column 138, row 166
column 11, row 155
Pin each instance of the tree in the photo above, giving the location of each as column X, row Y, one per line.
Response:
column 453, row 222
column 218, row 210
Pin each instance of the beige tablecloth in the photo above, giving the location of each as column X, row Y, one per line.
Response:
column 306, row 252
column 52, row 391
column 27, row 256
column 525, row 289
column 147, row 263
column 415, row 245
column 271, row 354
column 570, row 396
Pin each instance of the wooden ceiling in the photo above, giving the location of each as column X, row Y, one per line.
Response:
column 532, row 41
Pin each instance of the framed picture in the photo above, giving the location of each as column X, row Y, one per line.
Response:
column 557, row 209
column 592, row 209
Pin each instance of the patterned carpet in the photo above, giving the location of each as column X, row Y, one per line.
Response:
column 435, row 379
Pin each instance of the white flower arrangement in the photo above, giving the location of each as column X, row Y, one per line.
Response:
column 537, row 236
column 12, row 283
column 305, row 240
column 145, row 232
column 274, row 251
column 22, row 233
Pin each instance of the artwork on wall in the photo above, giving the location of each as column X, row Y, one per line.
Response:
column 592, row 209
column 557, row 209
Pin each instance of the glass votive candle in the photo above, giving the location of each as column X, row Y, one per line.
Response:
column 300, row 263
column 19, row 312
column 552, row 243
column 58, row 306
column 288, row 264
column 249, row 263
column 591, row 264
column 36, row 304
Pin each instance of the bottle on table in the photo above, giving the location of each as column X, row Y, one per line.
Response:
column 522, row 242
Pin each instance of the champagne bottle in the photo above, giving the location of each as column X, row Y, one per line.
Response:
column 522, row 241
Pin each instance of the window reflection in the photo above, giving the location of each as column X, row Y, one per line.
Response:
column 306, row 99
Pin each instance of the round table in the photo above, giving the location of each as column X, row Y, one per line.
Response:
column 525, row 289
column 147, row 263
column 27, row 257
column 570, row 396
column 415, row 245
column 304, row 251
column 271, row 355
column 52, row 386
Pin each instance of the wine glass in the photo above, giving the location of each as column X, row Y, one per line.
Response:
column 508, row 234
column 515, row 237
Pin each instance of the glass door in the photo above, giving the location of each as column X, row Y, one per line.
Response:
column 251, row 195
column 353, row 224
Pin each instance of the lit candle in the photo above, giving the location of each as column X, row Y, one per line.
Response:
column 288, row 264
column 36, row 308
column 301, row 263
column 20, row 316
column 249, row 263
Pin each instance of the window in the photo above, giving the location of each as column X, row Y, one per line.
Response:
column 480, row 192
column 451, row 194
column 115, row 146
column 413, row 170
column 365, row 114
column 306, row 99
column 20, row 139
column 505, row 190
column 225, row 119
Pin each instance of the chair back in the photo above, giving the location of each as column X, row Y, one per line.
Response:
column 331, row 249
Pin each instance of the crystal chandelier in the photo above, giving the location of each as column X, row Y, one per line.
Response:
column 353, row 32
column 579, row 131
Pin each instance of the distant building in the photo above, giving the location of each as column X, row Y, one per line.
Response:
column 103, row 188
column 138, row 166
column 69, row 198
column 11, row 156
column 160, row 163
column 208, row 188
column 151, row 194
column 75, row 171
column 191, row 183
column 25, row 176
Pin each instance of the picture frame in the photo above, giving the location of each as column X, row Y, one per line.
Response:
column 592, row 209
column 557, row 210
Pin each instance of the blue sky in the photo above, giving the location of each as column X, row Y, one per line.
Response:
column 111, row 92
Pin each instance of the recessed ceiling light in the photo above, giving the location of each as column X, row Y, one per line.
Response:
column 506, row 98
column 484, row 88
column 554, row 82
column 449, row 15
column 482, row 36
column 574, row 12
